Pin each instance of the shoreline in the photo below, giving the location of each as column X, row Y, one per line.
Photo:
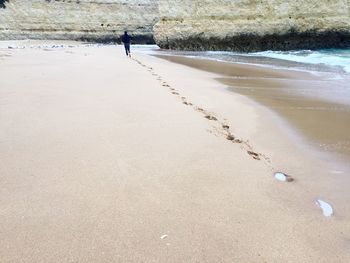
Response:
column 279, row 90
column 110, row 158
column 254, row 42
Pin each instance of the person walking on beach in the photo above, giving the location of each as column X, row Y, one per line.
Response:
column 126, row 39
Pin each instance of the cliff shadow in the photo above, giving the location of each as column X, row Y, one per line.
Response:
column 111, row 39
column 254, row 43
column 3, row 3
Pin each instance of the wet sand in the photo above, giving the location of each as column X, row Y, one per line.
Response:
column 109, row 159
column 294, row 95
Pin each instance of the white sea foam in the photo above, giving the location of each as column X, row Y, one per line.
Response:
column 329, row 66
column 331, row 57
column 333, row 60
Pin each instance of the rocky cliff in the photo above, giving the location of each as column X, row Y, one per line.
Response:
column 252, row 25
column 96, row 20
column 245, row 25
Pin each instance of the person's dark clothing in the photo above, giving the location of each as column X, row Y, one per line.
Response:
column 126, row 39
column 127, row 48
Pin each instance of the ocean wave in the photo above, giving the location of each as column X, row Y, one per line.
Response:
column 330, row 57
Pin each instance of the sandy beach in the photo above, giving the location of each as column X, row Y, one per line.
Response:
column 104, row 158
column 320, row 113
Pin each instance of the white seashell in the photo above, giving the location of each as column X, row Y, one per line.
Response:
column 326, row 208
column 163, row 237
column 283, row 177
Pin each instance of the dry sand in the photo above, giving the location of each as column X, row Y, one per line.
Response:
column 110, row 159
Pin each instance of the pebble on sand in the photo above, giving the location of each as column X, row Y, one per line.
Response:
column 283, row 177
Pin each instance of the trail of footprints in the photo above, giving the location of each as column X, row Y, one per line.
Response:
column 225, row 129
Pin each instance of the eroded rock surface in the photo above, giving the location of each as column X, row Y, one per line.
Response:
column 243, row 25
column 96, row 20
column 253, row 25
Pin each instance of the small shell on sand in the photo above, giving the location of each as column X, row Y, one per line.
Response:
column 283, row 177
column 327, row 209
column 163, row 237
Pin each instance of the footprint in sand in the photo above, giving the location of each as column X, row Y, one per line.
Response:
column 175, row 93
column 186, row 102
column 254, row 155
column 211, row 118
column 232, row 138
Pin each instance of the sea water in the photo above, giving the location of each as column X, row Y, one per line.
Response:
column 332, row 65
column 327, row 60
column 335, row 58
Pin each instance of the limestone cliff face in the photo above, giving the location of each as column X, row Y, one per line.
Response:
column 251, row 25
column 96, row 20
column 246, row 25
